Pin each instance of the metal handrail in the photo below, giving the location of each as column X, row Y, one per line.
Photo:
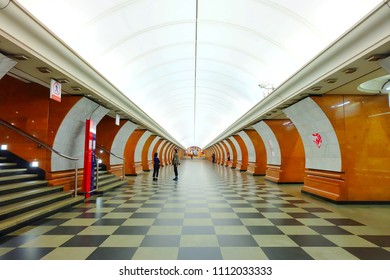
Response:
column 122, row 158
column 32, row 138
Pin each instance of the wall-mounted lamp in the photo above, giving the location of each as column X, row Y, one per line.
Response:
column 4, row 147
column 34, row 163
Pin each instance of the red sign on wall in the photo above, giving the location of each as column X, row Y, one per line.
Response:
column 317, row 139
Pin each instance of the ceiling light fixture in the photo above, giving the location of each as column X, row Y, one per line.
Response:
column 350, row 70
column 44, row 70
column 62, row 81
column 316, row 88
column 76, row 88
column 331, row 81
column 20, row 57
column 376, row 57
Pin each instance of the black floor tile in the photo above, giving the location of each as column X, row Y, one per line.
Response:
column 286, row 253
column 330, row 230
column 144, row 215
column 85, row 241
column 15, row 241
column 369, row 253
column 109, row 222
column 269, row 210
column 250, row 215
column 50, row 222
column 316, row 210
column 91, row 215
column 132, row 230
column 236, row 241
column 168, row 222
column 197, row 215
column 286, row 222
column 344, row 222
column 26, row 254
column 227, row 222
column 204, row 253
column 198, row 230
column 221, row 210
column 65, row 230
column 264, row 230
column 303, row 215
column 312, row 241
column 161, row 241
column 112, row 253
column 380, row 240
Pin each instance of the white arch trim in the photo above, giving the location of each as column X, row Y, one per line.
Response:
column 322, row 149
column 120, row 140
column 270, row 142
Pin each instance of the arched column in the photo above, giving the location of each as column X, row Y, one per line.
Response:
column 132, row 168
column 285, row 141
column 146, row 153
column 260, row 165
column 242, row 164
column 324, row 175
column 222, row 153
column 233, row 152
column 228, row 149
column 113, row 138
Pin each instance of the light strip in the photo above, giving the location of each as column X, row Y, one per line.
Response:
column 195, row 69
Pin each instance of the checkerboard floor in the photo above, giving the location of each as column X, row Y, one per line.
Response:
column 211, row 212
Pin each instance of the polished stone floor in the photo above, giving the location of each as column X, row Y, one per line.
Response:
column 211, row 212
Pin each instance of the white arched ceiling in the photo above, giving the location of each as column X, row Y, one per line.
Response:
column 193, row 64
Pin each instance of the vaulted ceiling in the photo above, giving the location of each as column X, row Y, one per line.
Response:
column 196, row 66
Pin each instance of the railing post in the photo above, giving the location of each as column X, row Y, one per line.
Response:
column 97, row 173
column 75, row 178
column 123, row 170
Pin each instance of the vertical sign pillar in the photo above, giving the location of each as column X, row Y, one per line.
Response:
column 89, row 157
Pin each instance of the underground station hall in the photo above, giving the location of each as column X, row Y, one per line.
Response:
column 194, row 130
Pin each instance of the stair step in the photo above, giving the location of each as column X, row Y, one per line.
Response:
column 3, row 158
column 4, row 172
column 21, row 220
column 111, row 186
column 27, row 205
column 16, row 178
column 7, row 164
column 108, row 180
column 16, row 187
column 28, row 194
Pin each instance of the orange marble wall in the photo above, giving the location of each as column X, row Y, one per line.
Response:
column 131, row 167
column 28, row 107
column 292, row 167
column 261, row 155
column 234, row 161
column 145, row 152
column 362, row 126
column 243, row 165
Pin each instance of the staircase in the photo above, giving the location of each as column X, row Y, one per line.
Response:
column 24, row 198
column 108, row 181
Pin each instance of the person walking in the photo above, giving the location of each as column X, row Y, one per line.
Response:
column 156, row 166
column 213, row 158
column 176, row 162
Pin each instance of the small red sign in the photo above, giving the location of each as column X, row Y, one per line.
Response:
column 317, row 139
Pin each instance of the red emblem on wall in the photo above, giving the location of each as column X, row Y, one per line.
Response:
column 317, row 139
